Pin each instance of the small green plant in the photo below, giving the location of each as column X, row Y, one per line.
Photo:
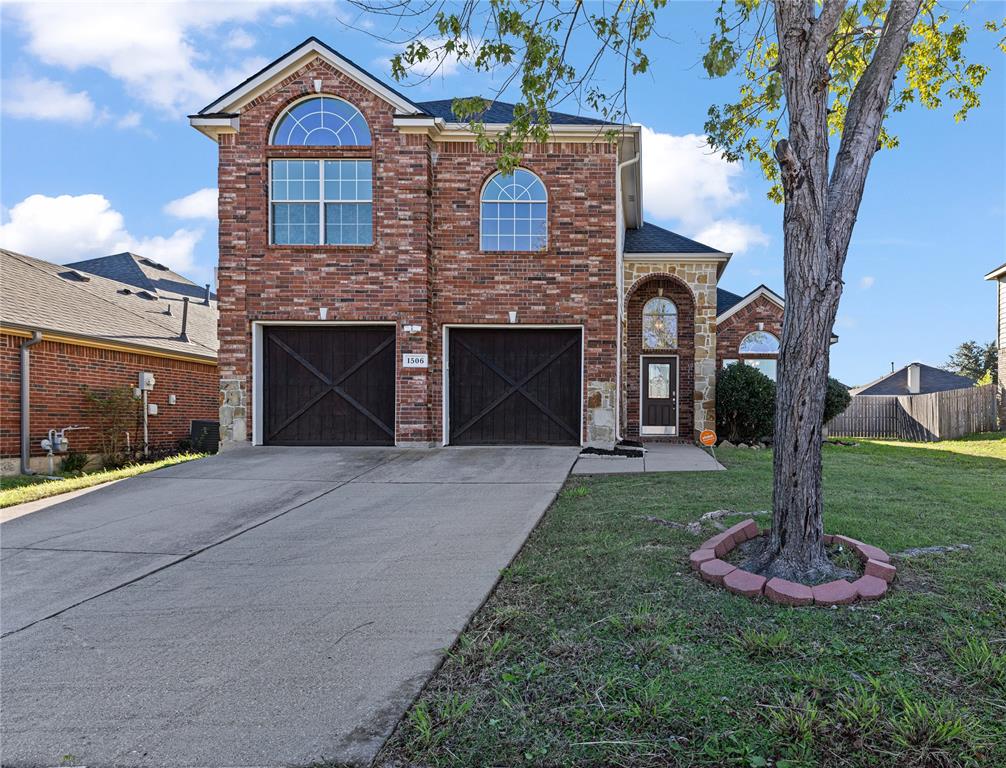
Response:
column 798, row 721
column 452, row 708
column 117, row 412
column 859, row 711
column 977, row 660
column 421, row 723
column 575, row 492
column 932, row 735
column 758, row 644
column 498, row 646
column 73, row 463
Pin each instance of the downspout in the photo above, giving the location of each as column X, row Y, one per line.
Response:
column 620, row 288
column 36, row 337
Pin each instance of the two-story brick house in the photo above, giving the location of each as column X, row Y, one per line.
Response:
column 380, row 282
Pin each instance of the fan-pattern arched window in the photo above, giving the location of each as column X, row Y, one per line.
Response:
column 660, row 324
column 514, row 212
column 322, row 121
column 765, row 347
column 759, row 343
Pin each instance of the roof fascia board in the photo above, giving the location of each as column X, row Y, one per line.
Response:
column 214, row 126
column 242, row 94
column 997, row 273
column 715, row 256
column 17, row 329
column 768, row 293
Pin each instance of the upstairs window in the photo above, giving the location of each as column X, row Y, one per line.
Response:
column 514, row 212
column 322, row 121
column 321, row 202
column 660, row 324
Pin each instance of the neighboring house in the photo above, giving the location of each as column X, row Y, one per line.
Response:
column 380, row 282
column 913, row 379
column 999, row 275
column 101, row 323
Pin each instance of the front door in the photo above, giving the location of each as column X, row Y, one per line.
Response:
column 659, row 396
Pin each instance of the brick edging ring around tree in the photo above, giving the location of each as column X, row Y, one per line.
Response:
column 878, row 572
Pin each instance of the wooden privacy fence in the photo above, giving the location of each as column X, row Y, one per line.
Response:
column 936, row 416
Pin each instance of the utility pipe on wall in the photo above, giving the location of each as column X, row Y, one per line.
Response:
column 36, row 337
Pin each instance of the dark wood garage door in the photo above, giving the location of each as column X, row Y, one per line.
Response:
column 510, row 386
column 329, row 386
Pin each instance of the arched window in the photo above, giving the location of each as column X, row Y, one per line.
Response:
column 759, row 343
column 514, row 212
column 322, row 121
column 660, row 324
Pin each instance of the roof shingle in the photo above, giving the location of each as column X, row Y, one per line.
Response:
column 650, row 238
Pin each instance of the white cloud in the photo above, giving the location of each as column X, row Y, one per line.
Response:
column 129, row 120
column 440, row 63
column 151, row 47
column 732, row 236
column 44, row 99
column 201, row 204
column 239, row 40
column 73, row 227
column 867, row 282
column 686, row 182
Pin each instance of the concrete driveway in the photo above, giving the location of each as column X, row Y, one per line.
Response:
column 265, row 607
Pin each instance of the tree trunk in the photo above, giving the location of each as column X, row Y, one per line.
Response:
column 817, row 225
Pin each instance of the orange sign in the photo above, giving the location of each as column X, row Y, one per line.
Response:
column 708, row 437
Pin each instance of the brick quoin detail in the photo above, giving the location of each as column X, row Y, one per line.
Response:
column 61, row 373
column 679, row 293
column 425, row 267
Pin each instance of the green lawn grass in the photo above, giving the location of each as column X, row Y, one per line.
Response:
column 17, row 489
column 601, row 648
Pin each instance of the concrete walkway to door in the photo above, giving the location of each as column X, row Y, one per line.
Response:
column 659, row 457
column 264, row 607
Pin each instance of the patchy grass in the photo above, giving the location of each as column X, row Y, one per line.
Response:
column 601, row 648
column 18, row 489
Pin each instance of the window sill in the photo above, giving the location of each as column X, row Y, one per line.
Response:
column 326, row 247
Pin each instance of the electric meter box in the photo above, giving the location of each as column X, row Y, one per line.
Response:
column 147, row 381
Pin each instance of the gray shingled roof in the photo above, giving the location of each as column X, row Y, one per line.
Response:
column 725, row 300
column 930, row 380
column 37, row 294
column 650, row 238
column 143, row 273
column 502, row 112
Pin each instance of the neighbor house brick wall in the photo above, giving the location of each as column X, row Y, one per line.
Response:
column 61, row 373
column 731, row 331
column 425, row 267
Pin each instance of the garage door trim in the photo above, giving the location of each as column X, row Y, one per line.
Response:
column 445, row 394
column 258, row 362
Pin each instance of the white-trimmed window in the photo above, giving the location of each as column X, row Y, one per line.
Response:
column 321, row 202
column 759, row 343
column 514, row 212
column 660, row 324
column 321, row 121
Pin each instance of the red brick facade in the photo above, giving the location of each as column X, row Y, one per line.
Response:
column 424, row 267
column 61, row 373
column 731, row 331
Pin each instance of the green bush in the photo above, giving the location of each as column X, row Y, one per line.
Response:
column 837, row 399
column 745, row 404
column 73, row 463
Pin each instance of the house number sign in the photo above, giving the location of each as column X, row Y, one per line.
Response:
column 415, row 361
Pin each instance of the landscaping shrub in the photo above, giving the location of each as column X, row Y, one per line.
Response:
column 745, row 404
column 837, row 399
column 73, row 463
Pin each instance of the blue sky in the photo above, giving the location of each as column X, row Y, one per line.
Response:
column 97, row 156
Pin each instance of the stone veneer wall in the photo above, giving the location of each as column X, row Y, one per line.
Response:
column 700, row 277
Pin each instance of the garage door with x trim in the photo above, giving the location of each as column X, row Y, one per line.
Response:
column 329, row 385
column 514, row 386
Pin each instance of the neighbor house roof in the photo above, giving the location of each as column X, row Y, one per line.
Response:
column 143, row 273
column 930, row 380
column 77, row 303
column 998, row 273
column 501, row 112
